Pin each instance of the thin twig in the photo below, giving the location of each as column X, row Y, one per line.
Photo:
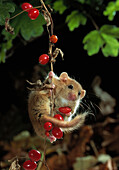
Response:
column 94, row 148
column 93, row 22
column 48, row 15
column 23, row 12
column 50, row 45
column 45, row 145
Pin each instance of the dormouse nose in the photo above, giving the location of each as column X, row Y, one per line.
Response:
column 72, row 96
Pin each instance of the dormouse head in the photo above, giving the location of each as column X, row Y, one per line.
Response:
column 72, row 90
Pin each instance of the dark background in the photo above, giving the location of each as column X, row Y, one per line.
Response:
column 20, row 67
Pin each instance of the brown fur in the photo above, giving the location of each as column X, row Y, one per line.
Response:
column 39, row 104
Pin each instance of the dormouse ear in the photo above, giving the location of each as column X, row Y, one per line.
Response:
column 64, row 76
column 83, row 93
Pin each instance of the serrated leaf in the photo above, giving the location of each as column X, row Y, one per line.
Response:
column 59, row 6
column 75, row 19
column 111, row 47
column 5, row 9
column 93, row 42
column 24, row 25
column 111, row 30
column 16, row 23
column 32, row 28
column 27, row 27
column 110, row 40
column 110, row 10
column 105, row 39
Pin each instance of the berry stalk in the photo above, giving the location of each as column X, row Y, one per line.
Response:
column 23, row 12
column 51, row 20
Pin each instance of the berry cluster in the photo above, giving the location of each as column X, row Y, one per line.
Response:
column 44, row 58
column 34, row 156
column 33, row 13
column 56, row 131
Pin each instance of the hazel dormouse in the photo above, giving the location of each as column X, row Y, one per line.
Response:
column 67, row 92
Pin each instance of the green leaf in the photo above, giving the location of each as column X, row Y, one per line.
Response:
column 16, row 23
column 3, row 48
column 111, row 47
column 24, row 25
column 105, row 38
column 27, row 27
column 117, row 5
column 110, row 10
column 93, row 42
column 5, row 9
column 111, row 30
column 32, row 28
column 75, row 19
column 59, row 6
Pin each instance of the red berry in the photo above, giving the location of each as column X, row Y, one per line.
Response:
column 33, row 13
column 65, row 109
column 48, row 126
column 29, row 165
column 53, row 39
column 34, row 155
column 57, row 132
column 47, row 133
column 59, row 117
column 26, row 5
column 43, row 59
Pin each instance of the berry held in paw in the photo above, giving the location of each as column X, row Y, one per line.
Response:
column 48, row 126
column 65, row 110
column 59, row 117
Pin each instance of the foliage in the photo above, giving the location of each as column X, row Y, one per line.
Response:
column 59, row 6
column 22, row 25
column 26, row 27
column 105, row 38
column 74, row 19
column 5, row 9
column 77, row 13
column 111, row 9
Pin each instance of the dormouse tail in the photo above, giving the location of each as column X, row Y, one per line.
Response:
column 65, row 125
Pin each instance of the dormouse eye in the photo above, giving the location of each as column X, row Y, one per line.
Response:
column 70, row 87
column 79, row 93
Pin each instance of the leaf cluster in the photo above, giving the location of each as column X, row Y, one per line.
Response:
column 78, row 13
column 104, row 38
column 22, row 24
column 111, row 9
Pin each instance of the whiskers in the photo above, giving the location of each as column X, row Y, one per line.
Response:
column 90, row 105
column 87, row 108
